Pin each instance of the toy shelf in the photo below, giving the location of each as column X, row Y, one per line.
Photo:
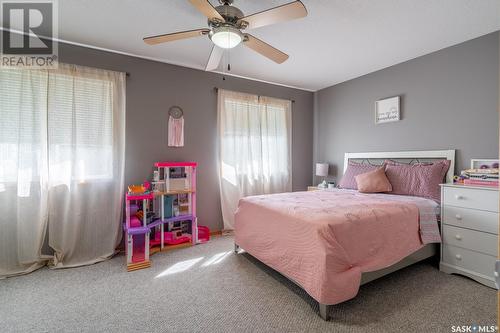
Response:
column 136, row 230
column 147, row 228
column 158, row 193
column 175, row 164
column 162, row 217
column 132, row 196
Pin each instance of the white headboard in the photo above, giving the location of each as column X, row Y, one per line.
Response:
column 408, row 155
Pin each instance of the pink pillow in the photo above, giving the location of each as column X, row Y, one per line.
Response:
column 354, row 169
column 373, row 181
column 421, row 180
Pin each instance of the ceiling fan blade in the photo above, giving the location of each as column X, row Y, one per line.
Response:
column 290, row 11
column 207, row 9
column 265, row 49
column 214, row 59
column 153, row 40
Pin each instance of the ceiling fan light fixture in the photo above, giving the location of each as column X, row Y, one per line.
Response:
column 225, row 23
column 226, row 37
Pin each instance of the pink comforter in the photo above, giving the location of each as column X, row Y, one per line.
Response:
column 324, row 240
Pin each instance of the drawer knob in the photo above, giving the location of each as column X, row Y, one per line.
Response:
column 459, row 197
column 457, row 236
column 458, row 217
column 458, row 256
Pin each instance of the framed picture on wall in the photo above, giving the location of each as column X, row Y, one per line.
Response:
column 387, row 110
column 483, row 164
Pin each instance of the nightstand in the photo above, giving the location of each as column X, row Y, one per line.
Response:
column 469, row 227
column 313, row 188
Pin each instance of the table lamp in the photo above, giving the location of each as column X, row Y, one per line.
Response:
column 322, row 171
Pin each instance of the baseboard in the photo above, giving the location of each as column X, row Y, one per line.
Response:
column 216, row 233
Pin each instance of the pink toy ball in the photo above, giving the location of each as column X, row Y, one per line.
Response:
column 147, row 185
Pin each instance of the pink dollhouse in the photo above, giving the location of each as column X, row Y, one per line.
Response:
column 162, row 216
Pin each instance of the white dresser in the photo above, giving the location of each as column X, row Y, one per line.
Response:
column 469, row 227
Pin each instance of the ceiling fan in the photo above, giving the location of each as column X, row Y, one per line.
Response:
column 225, row 24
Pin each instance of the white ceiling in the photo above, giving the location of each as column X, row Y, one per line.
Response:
column 338, row 40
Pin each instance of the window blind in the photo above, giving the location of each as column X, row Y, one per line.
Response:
column 66, row 117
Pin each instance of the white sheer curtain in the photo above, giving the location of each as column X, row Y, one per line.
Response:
column 62, row 140
column 86, row 133
column 254, row 148
column 23, row 165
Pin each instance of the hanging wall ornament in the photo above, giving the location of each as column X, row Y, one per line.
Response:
column 175, row 127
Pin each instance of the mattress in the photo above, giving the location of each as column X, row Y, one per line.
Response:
column 325, row 240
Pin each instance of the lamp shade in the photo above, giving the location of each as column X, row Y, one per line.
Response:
column 322, row 169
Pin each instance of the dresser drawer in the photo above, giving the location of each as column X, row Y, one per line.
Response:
column 483, row 199
column 470, row 239
column 473, row 261
column 470, row 218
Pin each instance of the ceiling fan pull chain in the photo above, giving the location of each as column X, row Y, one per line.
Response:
column 226, row 55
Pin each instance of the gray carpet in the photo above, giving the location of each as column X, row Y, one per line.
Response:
column 233, row 294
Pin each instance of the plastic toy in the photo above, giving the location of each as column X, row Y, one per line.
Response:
column 137, row 231
column 139, row 189
column 162, row 214
column 203, row 234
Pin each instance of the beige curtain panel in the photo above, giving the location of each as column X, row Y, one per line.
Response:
column 254, row 146
column 62, row 146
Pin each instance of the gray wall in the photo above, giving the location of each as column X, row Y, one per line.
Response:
column 449, row 101
column 153, row 87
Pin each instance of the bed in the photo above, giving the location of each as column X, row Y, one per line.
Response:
column 330, row 242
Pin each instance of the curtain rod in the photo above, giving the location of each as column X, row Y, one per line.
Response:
column 216, row 89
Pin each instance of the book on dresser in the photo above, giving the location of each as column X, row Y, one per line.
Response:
column 469, row 227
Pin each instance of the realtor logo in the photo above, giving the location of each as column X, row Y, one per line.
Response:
column 28, row 33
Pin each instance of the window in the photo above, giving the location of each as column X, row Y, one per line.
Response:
column 58, row 115
column 62, row 151
column 80, row 128
column 254, row 147
column 255, row 138
column 23, row 108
